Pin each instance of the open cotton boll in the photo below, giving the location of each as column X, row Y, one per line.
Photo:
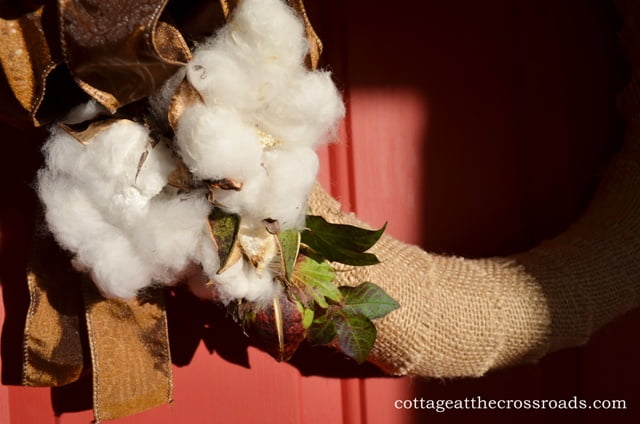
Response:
column 242, row 282
column 114, row 264
column 250, row 60
column 292, row 174
column 169, row 234
column 225, row 78
column 215, row 144
column 61, row 152
column 279, row 192
column 307, row 113
column 221, row 79
column 108, row 208
column 99, row 248
column 270, row 30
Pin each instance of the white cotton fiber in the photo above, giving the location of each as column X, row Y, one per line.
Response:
column 84, row 112
column 216, row 144
column 107, row 207
column 253, row 80
column 279, row 191
column 242, row 282
column 307, row 113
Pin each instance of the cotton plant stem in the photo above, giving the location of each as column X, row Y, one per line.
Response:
column 464, row 317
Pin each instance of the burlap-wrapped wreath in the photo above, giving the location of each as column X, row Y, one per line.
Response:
column 457, row 317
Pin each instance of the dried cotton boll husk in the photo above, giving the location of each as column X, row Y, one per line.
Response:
column 306, row 114
column 258, row 245
column 215, row 144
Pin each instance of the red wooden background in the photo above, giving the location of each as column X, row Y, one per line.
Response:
column 474, row 128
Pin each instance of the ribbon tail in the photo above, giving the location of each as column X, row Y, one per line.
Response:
column 129, row 353
column 53, row 345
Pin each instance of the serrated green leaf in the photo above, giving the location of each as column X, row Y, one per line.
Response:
column 223, row 228
column 339, row 242
column 355, row 335
column 368, row 300
column 289, row 242
column 315, row 278
column 322, row 330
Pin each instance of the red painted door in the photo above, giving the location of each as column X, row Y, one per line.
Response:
column 463, row 116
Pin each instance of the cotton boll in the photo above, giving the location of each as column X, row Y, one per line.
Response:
column 279, row 192
column 225, row 77
column 231, row 284
column 292, row 174
column 216, row 144
column 107, row 207
column 169, row 233
column 249, row 200
column 307, row 113
column 242, row 282
column 250, row 60
column 114, row 153
column 62, row 151
column 221, row 79
column 68, row 212
column 115, row 265
column 271, row 30
column 206, row 254
column 152, row 174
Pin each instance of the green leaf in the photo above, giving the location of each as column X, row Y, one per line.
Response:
column 368, row 300
column 307, row 318
column 306, row 313
column 355, row 335
column 336, row 253
column 348, row 236
column 223, row 228
column 322, row 330
column 289, row 242
column 315, row 278
column 340, row 242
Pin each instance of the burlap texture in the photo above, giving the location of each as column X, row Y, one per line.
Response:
column 463, row 317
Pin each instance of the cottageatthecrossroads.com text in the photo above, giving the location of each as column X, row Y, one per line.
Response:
column 478, row 403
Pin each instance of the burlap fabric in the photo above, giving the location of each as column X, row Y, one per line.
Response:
column 463, row 317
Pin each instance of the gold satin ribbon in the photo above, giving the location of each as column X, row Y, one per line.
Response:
column 53, row 348
column 69, row 324
column 26, row 59
column 129, row 353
